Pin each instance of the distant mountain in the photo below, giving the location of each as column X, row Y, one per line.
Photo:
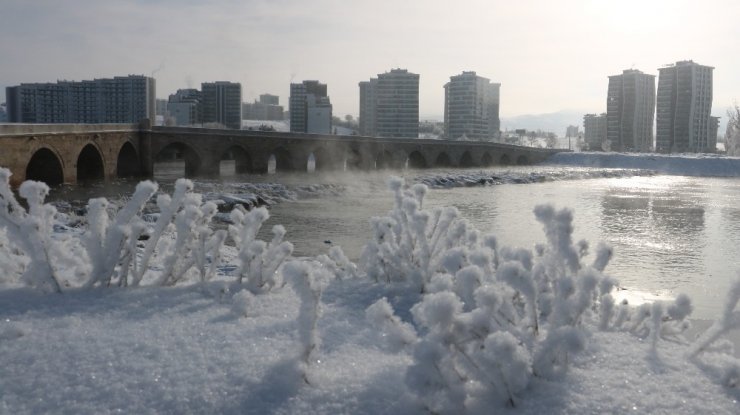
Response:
column 555, row 122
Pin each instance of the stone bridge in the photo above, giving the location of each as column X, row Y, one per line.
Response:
column 74, row 153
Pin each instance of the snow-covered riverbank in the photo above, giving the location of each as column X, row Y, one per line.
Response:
column 247, row 329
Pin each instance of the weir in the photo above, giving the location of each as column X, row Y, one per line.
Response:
column 70, row 153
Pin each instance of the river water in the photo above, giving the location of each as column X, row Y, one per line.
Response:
column 671, row 234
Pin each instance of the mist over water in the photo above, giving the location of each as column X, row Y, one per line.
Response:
column 671, row 234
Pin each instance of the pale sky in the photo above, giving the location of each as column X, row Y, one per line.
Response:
column 548, row 55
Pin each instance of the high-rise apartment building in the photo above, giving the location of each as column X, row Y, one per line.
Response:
column 630, row 106
column 310, row 108
column 184, row 107
column 594, row 131
column 367, row 107
column 122, row 99
column 471, row 107
column 684, row 107
column 389, row 105
column 222, row 103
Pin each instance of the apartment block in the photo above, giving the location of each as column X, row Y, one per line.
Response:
column 122, row 99
column 389, row 105
column 630, row 107
column 471, row 107
column 684, row 107
column 222, row 103
column 310, row 108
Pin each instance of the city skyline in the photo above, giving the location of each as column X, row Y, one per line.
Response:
column 267, row 45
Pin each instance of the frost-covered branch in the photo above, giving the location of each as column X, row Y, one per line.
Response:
column 308, row 282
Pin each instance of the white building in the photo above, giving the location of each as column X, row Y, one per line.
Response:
column 630, row 106
column 310, row 108
column 472, row 107
column 184, row 107
column 389, row 105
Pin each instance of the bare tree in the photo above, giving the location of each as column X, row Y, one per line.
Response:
column 732, row 134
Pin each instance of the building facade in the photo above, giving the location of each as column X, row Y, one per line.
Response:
column 222, row 103
column 471, row 107
column 122, row 99
column 594, row 132
column 684, row 107
column 630, row 106
column 310, row 108
column 267, row 108
column 367, row 107
column 389, row 105
column 572, row 131
column 184, row 107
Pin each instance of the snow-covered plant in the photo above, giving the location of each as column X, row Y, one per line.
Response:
column 338, row 263
column 409, row 243
column 193, row 242
column 105, row 241
column 108, row 252
column 31, row 230
column 258, row 262
column 728, row 320
column 113, row 245
column 168, row 208
column 494, row 317
column 308, row 280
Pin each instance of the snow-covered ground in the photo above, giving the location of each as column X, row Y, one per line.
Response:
column 185, row 350
column 497, row 328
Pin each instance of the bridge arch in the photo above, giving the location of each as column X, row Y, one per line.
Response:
column 486, row 160
column 180, row 152
column 353, row 159
column 384, row 160
column 522, row 160
column 90, row 164
column 443, row 160
column 416, row 160
column 466, row 160
column 241, row 158
column 45, row 166
column 321, row 158
column 505, row 160
column 280, row 160
column 128, row 163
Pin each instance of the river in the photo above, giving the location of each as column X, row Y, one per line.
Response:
column 671, row 234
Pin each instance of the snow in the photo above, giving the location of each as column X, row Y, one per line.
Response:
column 436, row 316
column 184, row 350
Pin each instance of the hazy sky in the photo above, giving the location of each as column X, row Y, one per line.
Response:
column 548, row 55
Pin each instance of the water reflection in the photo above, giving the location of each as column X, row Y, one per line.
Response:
column 661, row 227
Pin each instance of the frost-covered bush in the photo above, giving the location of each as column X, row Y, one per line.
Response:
column 258, row 262
column 31, row 232
column 409, row 243
column 180, row 240
column 117, row 247
column 492, row 318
